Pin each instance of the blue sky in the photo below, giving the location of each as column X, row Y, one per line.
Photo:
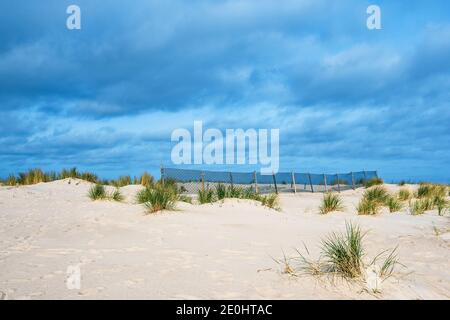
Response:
column 107, row 97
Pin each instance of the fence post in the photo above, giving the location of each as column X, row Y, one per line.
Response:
column 325, row 182
column 203, row 181
column 275, row 183
column 365, row 175
column 353, row 181
column 162, row 174
column 310, row 182
column 293, row 181
column 256, row 181
column 231, row 179
column 338, row 182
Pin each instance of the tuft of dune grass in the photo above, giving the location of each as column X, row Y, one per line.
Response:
column 367, row 207
column 331, row 202
column 373, row 199
column 221, row 191
column 206, row 196
column 160, row 197
column 97, row 192
column 116, row 195
column 271, row 201
column 394, row 204
column 404, row 194
column 373, row 182
column 342, row 254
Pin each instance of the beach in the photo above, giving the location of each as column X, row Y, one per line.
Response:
column 224, row 250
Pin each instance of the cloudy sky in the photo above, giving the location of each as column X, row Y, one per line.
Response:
column 107, row 97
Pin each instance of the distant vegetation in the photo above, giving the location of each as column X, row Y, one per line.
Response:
column 375, row 198
column 98, row 192
column 221, row 192
column 34, row 176
column 373, row 182
column 427, row 197
column 430, row 196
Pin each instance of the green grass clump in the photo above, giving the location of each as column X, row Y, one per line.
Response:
column 160, row 197
column 344, row 252
column 428, row 190
column 441, row 204
column 373, row 182
column 69, row 173
column 32, row 176
column 116, row 195
column 271, row 201
column 367, row 207
column 234, row 192
column 221, row 191
column 372, row 201
column 251, row 194
column 143, row 195
column 97, row 192
column 376, row 194
column 404, row 194
column 206, row 196
column 394, row 204
column 11, row 180
column 419, row 206
column 331, row 202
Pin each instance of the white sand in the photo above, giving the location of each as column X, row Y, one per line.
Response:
column 214, row 251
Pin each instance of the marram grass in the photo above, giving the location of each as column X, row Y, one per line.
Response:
column 160, row 197
column 376, row 194
column 368, row 207
column 343, row 254
column 374, row 199
column 271, row 201
column 221, row 191
column 97, row 192
column 394, row 204
column 116, row 195
column 404, row 194
column 373, row 182
column 206, row 196
column 331, row 202
column 441, row 205
column 419, row 206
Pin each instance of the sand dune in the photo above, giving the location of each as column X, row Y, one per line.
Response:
column 222, row 250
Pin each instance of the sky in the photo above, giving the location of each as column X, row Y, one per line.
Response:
column 345, row 98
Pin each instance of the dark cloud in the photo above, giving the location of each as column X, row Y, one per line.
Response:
column 109, row 95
